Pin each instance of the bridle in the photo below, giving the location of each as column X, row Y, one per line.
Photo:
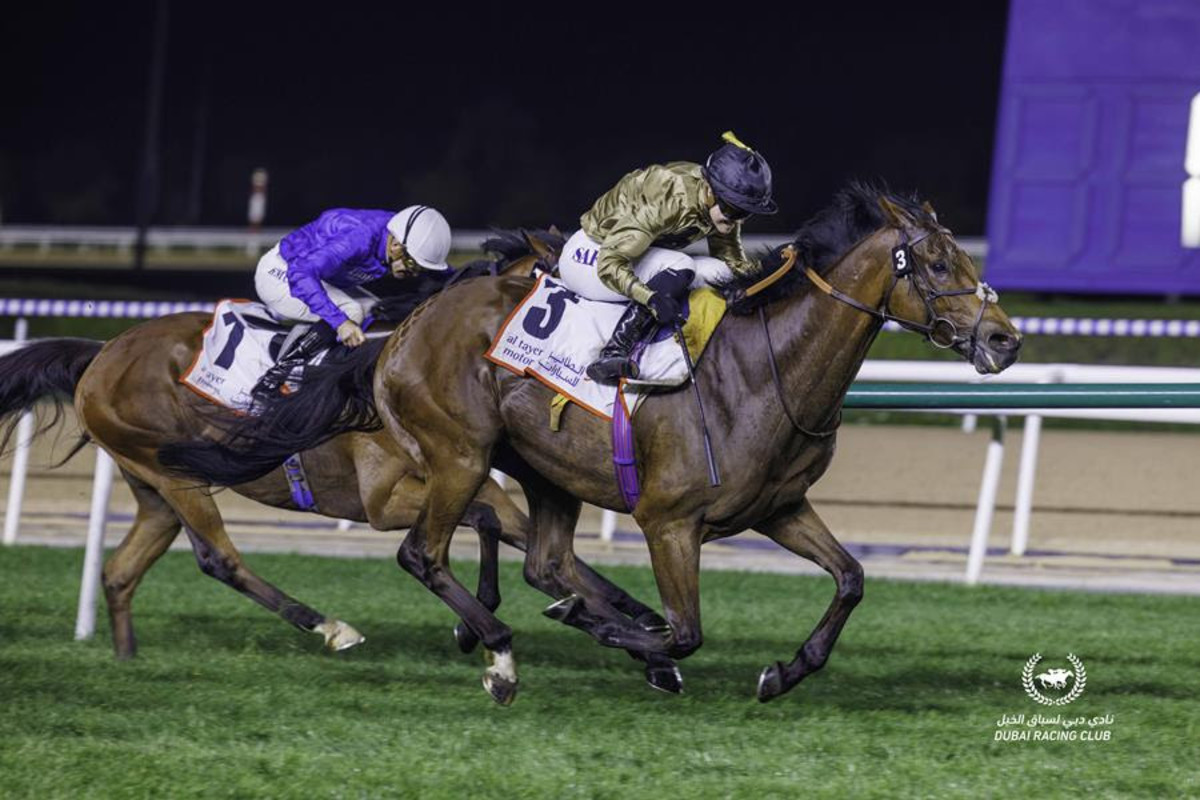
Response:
column 939, row 331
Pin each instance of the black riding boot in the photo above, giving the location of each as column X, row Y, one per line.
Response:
column 613, row 363
column 312, row 342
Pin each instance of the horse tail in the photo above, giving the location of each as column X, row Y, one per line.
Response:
column 334, row 397
column 46, row 370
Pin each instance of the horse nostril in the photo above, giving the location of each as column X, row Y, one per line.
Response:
column 1004, row 342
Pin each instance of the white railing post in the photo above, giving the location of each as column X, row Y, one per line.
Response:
column 93, row 554
column 1030, row 447
column 987, row 501
column 20, row 464
column 1030, row 443
column 608, row 526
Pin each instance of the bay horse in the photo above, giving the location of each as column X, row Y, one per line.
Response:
column 130, row 401
column 773, row 380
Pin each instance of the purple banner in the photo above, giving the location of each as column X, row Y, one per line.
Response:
column 1088, row 168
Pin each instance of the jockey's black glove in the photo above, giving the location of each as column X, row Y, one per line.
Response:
column 667, row 310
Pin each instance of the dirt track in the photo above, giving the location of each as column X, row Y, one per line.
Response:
column 1111, row 511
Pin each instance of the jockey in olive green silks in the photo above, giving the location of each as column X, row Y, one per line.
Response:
column 628, row 246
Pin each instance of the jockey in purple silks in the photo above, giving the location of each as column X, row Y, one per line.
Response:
column 303, row 278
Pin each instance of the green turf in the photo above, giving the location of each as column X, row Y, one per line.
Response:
column 225, row 700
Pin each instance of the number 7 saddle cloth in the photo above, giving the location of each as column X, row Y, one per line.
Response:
column 240, row 344
column 553, row 334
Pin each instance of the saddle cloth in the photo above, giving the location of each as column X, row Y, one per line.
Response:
column 553, row 334
column 240, row 344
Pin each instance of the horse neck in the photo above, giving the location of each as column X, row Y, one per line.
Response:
column 820, row 342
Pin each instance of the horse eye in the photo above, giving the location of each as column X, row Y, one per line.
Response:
column 939, row 267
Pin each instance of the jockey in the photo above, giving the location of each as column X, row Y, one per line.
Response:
column 304, row 277
column 627, row 248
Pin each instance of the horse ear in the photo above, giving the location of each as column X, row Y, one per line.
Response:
column 539, row 248
column 896, row 216
column 927, row 207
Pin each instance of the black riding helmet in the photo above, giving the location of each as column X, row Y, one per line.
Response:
column 740, row 177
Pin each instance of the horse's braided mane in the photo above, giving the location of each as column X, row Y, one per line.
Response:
column 854, row 214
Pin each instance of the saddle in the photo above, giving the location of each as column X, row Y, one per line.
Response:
column 241, row 344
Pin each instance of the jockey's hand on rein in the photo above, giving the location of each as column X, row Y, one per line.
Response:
column 350, row 334
column 667, row 310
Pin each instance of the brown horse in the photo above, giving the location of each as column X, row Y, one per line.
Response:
column 130, row 402
column 773, row 381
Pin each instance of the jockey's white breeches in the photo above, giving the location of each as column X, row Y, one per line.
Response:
column 577, row 268
column 270, row 281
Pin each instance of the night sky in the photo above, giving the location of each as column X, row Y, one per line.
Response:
column 496, row 117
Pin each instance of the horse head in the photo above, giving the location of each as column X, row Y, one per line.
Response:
column 936, row 291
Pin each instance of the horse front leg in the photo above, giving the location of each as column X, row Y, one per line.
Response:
column 804, row 533
column 675, row 558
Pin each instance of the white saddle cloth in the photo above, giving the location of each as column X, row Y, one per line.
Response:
column 236, row 353
column 554, row 334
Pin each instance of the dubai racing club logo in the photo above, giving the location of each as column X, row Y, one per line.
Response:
column 1056, row 679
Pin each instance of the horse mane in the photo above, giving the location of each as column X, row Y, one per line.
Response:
column 399, row 297
column 510, row 244
column 821, row 242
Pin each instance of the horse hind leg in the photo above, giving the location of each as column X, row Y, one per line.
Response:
column 154, row 528
column 218, row 558
column 581, row 601
column 805, row 534
column 494, row 515
column 487, row 526
column 453, row 481
column 400, row 508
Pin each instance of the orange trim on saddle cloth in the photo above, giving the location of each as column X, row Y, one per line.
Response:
column 526, row 373
column 200, row 351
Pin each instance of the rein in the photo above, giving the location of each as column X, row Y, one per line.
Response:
column 762, row 316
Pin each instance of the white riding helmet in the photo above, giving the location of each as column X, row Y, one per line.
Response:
column 425, row 233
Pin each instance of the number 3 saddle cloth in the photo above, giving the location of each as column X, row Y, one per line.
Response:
column 553, row 334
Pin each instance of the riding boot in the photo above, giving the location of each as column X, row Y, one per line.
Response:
column 314, row 340
column 614, row 362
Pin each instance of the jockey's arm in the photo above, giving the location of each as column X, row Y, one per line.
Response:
column 728, row 248
column 306, row 273
column 629, row 240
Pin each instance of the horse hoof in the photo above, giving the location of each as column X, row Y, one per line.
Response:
column 561, row 610
column 770, row 683
column 502, row 690
column 652, row 623
column 665, row 679
column 465, row 638
column 339, row 636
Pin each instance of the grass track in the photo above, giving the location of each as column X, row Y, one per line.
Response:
column 225, row 700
